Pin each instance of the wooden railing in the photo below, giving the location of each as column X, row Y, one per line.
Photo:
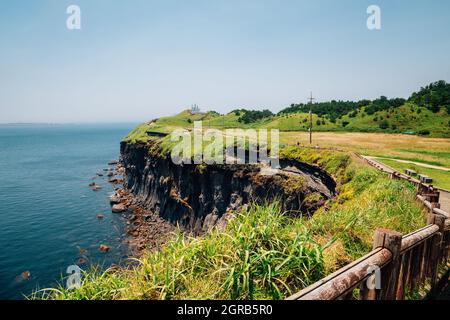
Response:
column 398, row 264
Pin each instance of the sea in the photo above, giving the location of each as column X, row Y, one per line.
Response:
column 48, row 213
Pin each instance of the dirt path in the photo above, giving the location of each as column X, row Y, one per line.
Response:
column 425, row 165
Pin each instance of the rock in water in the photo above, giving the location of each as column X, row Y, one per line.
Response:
column 25, row 275
column 119, row 208
column 113, row 162
column 104, row 248
column 100, row 216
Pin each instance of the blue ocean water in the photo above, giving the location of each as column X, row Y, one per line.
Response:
column 48, row 213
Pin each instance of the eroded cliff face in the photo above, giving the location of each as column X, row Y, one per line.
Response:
column 199, row 197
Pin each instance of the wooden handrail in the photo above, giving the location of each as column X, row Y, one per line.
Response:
column 405, row 261
column 339, row 283
column 417, row 237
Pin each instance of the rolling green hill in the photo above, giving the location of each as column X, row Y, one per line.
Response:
column 407, row 119
column 426, row 113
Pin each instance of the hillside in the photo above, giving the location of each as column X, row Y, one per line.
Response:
column 426, row 113
column 406, row 119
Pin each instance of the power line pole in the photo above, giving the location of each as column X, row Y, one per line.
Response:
column 311, row 99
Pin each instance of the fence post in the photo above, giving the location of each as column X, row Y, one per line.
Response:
column 436, row 247
column 391, row 240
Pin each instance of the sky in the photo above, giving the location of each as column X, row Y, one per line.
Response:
column 136, row 60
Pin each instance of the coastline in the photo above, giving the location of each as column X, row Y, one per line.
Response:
column 145, row 229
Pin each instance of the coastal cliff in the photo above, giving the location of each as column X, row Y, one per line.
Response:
column 198, row 197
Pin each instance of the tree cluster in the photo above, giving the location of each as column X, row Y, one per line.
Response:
column 250, row 116
column 433, row 97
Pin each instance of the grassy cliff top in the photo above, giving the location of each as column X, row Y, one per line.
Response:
column 407, row 119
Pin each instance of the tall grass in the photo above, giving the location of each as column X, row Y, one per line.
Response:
column 258, row 256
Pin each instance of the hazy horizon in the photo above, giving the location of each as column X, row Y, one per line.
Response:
column 132, row 62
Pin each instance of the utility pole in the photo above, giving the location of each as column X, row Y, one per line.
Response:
column 311, row 99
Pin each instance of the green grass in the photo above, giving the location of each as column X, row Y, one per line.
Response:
column 433, row 153
column 264, row 253
column 139, row 134
column 258, row 256
column 413, row 159
column 406, row 119
column 441, row 178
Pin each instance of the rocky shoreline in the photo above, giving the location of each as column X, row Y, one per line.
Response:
column 155, row 196
column 145, row 230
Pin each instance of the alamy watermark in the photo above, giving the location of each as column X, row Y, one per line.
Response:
column 374, row 19
column 230, row 146
column 73, row 22
column 373, row 282
column 74, row 279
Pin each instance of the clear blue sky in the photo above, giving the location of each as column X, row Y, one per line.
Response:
column 140, row 59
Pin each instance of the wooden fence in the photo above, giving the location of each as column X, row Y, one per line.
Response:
column 398, row 264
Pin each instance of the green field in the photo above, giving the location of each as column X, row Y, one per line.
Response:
column 407, row 119
column 441, row 178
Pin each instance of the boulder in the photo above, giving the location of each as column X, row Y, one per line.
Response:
column 114, row 199
column 25, row 275
column 104, row 248
column 119, row 208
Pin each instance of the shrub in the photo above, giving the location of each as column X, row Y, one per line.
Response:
column 424, row 132
column 384, row 125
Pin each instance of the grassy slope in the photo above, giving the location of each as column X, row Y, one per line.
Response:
column 441, row 178
column 406, row 119
column 405, row 147
column 262, row 253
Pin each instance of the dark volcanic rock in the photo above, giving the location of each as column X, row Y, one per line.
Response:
column 199, row 199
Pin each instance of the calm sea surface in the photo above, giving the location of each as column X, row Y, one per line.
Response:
column 47, row 211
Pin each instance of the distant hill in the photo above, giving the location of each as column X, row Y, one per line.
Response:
column 426, row 112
